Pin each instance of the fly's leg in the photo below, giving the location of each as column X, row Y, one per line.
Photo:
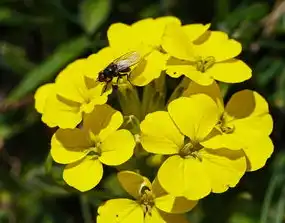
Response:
column 106, row 86
column 128, row 79
column 121, row 75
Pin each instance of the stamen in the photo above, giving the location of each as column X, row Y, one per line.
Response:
column 225, row 127
column 95, row 152
column 146, row 199
column 203, row 65
column 190, row 149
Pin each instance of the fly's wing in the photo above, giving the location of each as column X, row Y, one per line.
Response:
column 127, row 60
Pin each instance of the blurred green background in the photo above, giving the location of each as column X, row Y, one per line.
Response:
column 40, row 37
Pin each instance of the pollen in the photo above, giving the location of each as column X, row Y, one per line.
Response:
column 203, row 65
column 146, row 200
column 224, row 126
column 190, row 149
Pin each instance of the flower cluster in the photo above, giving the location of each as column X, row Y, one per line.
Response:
column 206, row 145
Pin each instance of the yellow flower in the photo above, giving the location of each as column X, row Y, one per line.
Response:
column 85, row 149
column 64, row 102
column 41, row 96
column 151, row 205
column 144, row 37
column 244, row 123
column 192, row 170
column 212, row 56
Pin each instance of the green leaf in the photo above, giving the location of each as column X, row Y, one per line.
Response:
column 13, row 18
column 50, row 67
column 9, row 52
column 93, row 13
column 5, row 13
column 8, row 130
column 250, row 13
column 269, row 211
column 267, row 69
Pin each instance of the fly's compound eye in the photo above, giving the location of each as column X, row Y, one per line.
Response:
column 101, row 77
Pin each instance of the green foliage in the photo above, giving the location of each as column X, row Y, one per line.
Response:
column 39, row 38
column 93, row 14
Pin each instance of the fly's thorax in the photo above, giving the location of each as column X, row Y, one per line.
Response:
column 190, row 149
column 203, row 64
column 146, row 199
column 224, row 125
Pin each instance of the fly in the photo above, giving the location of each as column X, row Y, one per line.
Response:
column 119, row 68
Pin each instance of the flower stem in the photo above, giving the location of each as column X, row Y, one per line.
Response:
column 131, row 123
column 48, row 163
column 154, row 95
column 87, row 217
column 129, row 100
column 178, row 91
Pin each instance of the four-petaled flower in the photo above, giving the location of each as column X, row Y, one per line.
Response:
column 244, row 123
column 97, row 142
column 143, row 37
column 151, row 205
column 192, row 170
column 208, row 58
column 64, row 102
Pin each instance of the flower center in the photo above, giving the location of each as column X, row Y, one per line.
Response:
column 146, row 200
column 94, row 149
column 203, row 65
column 224, row 126
column 190, row 149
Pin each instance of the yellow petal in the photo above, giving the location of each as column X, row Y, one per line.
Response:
column 133, row 182
column 217, row 44
column 169, row 203
column 120, row 211
column 121, row 36
column 159, row 27
column 184, row 177
column 176, row 67
column 139, row 30
column 253, row 126
column 194, row 31
column 212, row 90
column 103, row 121
column 230, row 71
column 99, row 61
column 191, row 72
column 195, row 116
column 223, row 167
column 117, row 148
column 69, row 145
column 258, row 151
column 94, row 94
column 124, row 38
column 71, row 84
column 41, row 96
column 168, row 19
column 84, row 174
column 250, row 112
column 155, row 28
column 176, row 43
column 217, row 140
column 154, row 217
column 61, row 112
column 82, row 89
column 149, row 69
column 160, row 135
column 173, row 218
